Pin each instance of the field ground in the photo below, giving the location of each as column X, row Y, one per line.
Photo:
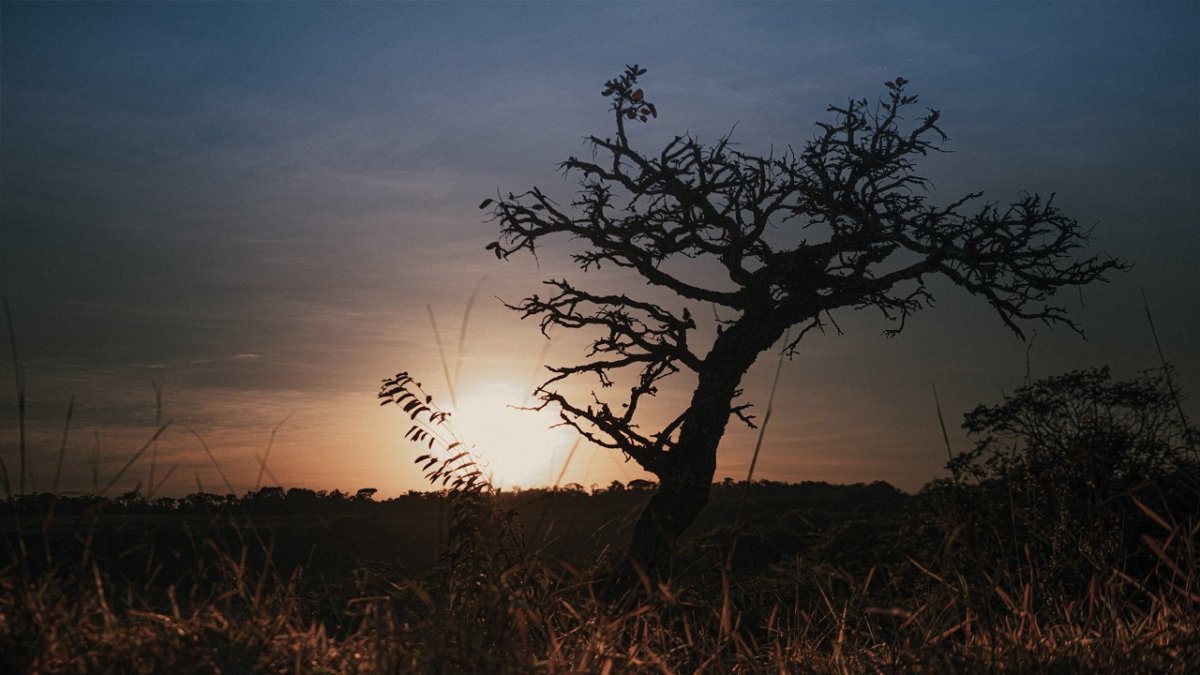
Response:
column 777, row 578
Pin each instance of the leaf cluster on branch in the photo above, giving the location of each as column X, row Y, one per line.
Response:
column 449, row 462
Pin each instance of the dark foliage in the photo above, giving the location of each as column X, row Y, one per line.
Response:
column 1067, row 474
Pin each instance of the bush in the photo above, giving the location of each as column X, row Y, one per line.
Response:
column 1063, row 474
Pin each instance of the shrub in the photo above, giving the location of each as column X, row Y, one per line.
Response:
column 1064, row 471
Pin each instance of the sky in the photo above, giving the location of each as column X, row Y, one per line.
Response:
column 238, row 218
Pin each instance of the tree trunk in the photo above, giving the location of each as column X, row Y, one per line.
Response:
column 686, row 482
column 671, row 511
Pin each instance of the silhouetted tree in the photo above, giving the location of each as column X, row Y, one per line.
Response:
column 1096, row 435
column 300, row 498
column 1055, row 465
column 769, row 243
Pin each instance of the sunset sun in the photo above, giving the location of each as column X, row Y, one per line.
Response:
column 516, row 447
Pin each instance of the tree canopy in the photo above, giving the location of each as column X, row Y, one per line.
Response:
column 862, row 232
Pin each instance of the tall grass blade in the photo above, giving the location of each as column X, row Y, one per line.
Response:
column 213, row 459
column 154, row 449
column 462, row 330
column 4, row 475
column 437, row 338
column 134, row 458
column 1188, row 432
column 94, row 461
column 1029, row 357
column 19, row 377
column 164, row 479
column 942, row 422
column 262, row 465
column 570, row 456
column 762, row 429
column 62, row 448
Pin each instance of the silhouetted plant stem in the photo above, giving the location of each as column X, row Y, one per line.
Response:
column 94, row 461
column 211, row 458
column 437, row 338
column 62, row 448
column 19, row 378
column 1188, row 431
column 942, row 424
column 150, row 485
column 727, row 571
column 762, row 429
column 134, row 458
column 262, row 468
column 462, row 330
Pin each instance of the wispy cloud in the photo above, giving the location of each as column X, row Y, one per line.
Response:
column 254, row 206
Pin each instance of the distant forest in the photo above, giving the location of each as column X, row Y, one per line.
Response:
column 334, row 532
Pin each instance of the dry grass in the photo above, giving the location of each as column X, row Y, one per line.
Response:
column 533, row 617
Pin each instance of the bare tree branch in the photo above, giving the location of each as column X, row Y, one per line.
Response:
column 868, row 235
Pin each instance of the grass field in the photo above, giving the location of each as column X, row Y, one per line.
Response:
column 807, row 578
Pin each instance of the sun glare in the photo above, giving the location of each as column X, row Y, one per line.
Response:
column 517, row 447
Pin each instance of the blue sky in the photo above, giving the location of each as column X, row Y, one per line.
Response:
column 251, row 205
